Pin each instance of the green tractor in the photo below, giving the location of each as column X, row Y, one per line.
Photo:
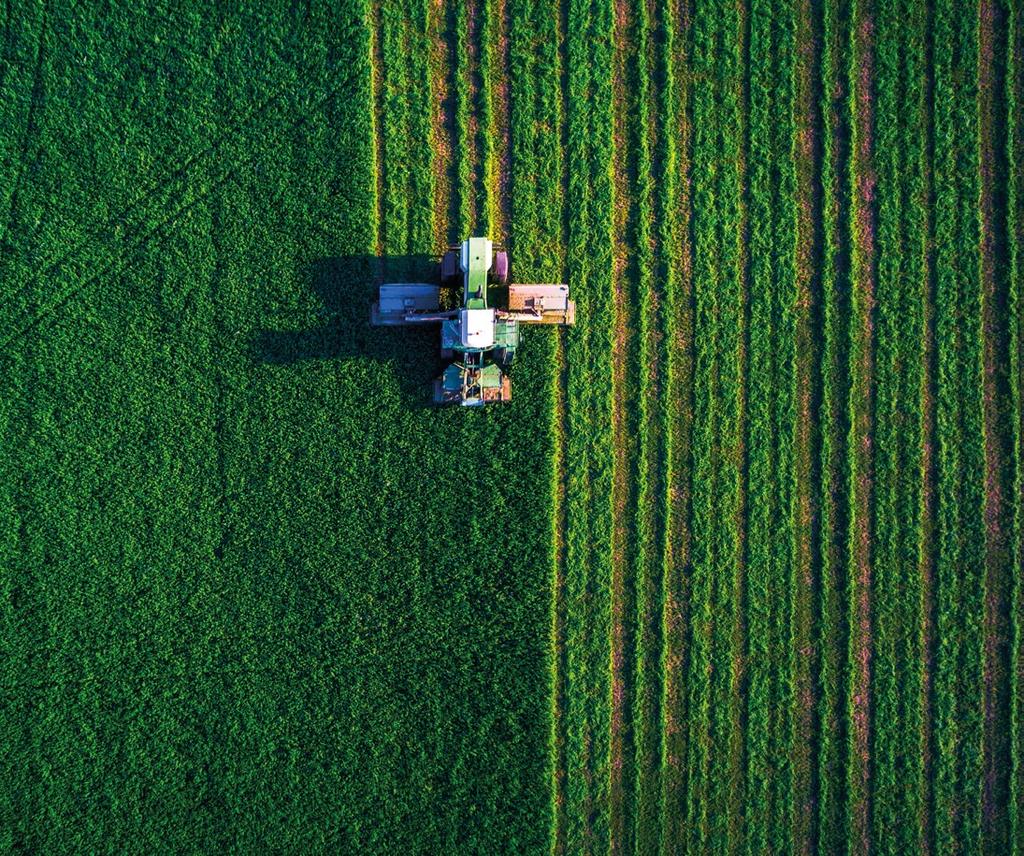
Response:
column 482, row 335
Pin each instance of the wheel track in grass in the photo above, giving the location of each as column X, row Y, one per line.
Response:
column 998, row 432
column 31, row 119
column 193, row 163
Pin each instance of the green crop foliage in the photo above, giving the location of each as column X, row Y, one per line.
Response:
column 717, row 140
column 770, row 388
column 961, row 460
column 1015, row 156
column 256, row 595
column 671, row 158
column 899, row 330
column 589, row 451
column 830, row 629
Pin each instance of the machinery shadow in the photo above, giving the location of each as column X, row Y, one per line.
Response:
column 346, row 287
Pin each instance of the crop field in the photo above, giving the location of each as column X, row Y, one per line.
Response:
column 739, row 569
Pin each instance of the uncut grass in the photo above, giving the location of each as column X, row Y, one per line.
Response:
column 269, row 616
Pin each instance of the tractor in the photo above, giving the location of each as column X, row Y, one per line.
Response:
column 479, row 337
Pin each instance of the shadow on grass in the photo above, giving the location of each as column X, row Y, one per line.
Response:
column 347, row 287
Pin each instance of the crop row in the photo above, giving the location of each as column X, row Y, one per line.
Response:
column 674, row 354
column 1015, row 219
column 717, row 229
column 769, row 421
column 898, row 159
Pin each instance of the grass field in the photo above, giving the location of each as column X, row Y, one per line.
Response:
column 739, row 568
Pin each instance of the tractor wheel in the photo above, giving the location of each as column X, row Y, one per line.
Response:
column 449, row 266
column 501, row 267
column 447, row 354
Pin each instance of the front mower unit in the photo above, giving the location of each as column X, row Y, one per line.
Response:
column 481, row 336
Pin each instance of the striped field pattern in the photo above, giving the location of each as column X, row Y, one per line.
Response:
column 739, row 570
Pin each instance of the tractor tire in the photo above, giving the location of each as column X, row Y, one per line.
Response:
column 449, row 267
column 447, row 354
column 501, row 267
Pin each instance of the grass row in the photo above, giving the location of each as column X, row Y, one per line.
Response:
column 897, row 780
column 717, row 139
column 535, row 238
column 770, row 420
column 589, row 452
column 645, row 807
column 1015, row 157
column 1015, row 149
column 831, row 384
column 671, row 156
column 959, row 424
column 806, row 149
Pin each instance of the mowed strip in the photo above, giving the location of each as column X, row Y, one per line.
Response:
column 897, row 782
column 996, row 257
column 830, row 381
column 1015, row 218
column 624, row 445
column 589, row 450
column 961, row 555
column 769, row 426
column 715, row 474
column 674, row 270
column 807, row 259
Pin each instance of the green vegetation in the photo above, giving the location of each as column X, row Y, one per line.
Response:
column 897, row 798
column 736, row 570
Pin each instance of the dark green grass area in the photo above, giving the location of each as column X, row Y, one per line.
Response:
column 256, row 595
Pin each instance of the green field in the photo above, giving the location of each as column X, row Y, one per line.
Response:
column 739, row 569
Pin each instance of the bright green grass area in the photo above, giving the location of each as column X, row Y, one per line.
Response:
column 255, row 594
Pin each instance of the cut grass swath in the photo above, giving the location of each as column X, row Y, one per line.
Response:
column 897, row 780
column 715, row 475
column 959, row 427
column 769, row 427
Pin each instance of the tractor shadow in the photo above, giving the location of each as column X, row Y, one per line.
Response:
column 346, row 287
